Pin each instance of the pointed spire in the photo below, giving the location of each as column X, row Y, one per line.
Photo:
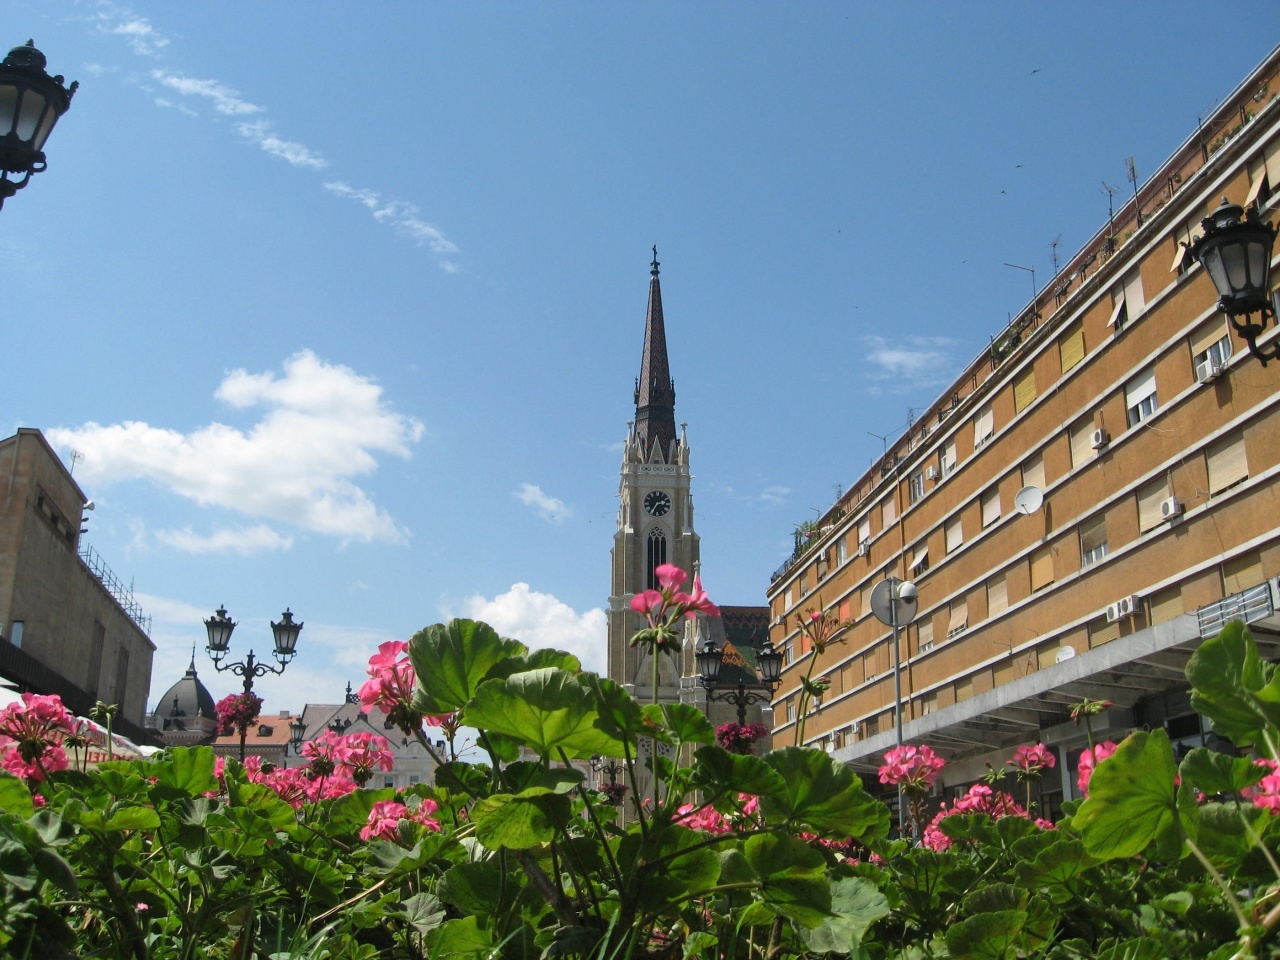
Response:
column 655, row 390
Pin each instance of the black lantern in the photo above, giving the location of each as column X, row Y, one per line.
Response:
column 1235, row 251
column 297, row 733
column 219, row 627
column 286, row 635
column 770, row 661
column 31, row 102
column 709, row 659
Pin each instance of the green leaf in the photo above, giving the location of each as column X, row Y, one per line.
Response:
column 1223, row 836
column 460, row 938
column 620, row 717
column 423, row 911
column 1225, row 674
column 687, row 723
column 514, row 822
column 1215, row 772
column 700, row 942
column 793, row 876
column 474, row 888
column 717, row 771
column 15, row 798
column 986, row 936
column 824, row 793
column 452, row 660
column 189, row 769
column 679, row 863
column 546, row 709
column 856, row 903
column 756, row 914
column 131, row 818
column 1131, row 800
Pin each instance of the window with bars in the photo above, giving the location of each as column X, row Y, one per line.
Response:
column 1150, row 496
column 1227, row 463
column 1071, row 346
column 1093, row 540
column 991, row 506
column 1140, row 400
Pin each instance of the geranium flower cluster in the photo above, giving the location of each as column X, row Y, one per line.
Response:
column 980, row 799
column 1266, row 792
column 661, row 608
column 336, row 764
column 385, row 817
column 915, row 769
column 297, row 785
column 31, row 733
column 237, row 712
column 1090, row 757
column 390, row 685
column 707, row 819
column 1030, row 762
column 740, row 738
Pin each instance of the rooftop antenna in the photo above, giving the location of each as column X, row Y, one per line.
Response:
column 1131, row 171
column 1053, row 249
column 883, row 440
column 75, row 456
column 1111, row 207
column 1035, row 291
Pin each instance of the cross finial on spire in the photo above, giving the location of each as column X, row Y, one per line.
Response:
column 654, row 264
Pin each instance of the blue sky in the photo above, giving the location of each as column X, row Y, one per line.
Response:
column 343, row 303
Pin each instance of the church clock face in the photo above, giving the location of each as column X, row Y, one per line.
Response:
column 657, row 503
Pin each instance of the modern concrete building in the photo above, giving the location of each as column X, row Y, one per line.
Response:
column 1095, row 493
column 68, row 625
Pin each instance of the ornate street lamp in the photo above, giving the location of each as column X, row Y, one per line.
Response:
column 297, row 734
column 709, row 659
column 31, row 102
column 285, row 633
column 611, row 767
column 1235, row 251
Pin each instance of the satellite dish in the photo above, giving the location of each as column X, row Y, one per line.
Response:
column 1065, row 652
column 1028, row 500
column 894, row 593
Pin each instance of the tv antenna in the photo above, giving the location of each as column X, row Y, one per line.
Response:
column 75, row 456
column 1053, row 248
column 1131, row 171
column 1110, row 191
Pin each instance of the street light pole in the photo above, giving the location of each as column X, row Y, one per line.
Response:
column 895, row 603
column 711, row 657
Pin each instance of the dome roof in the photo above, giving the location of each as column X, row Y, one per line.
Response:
column 186, row 698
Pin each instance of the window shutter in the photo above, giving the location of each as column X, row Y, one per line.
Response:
column 1006, row 672
column 1041, row 568
column 1150, row 497
column 1272, row 157
column 1242, row 572
column 955, row 535
column 864, row 530
column 843, row 611
column 1139, row 388
column 866, row 601
column 918, row 557
column 1117, row 309
column 1228, row 464
column 949, row 458
column 990, row 507
column 924, row 635
column 1024, row 390
column 964, row 689
column 959, row 617
column 1166, row 604
column 1081, row 442
column 1033, row 472
column 1257, row 177
column 997, row 596
column 1207, row 337
column 1093, row 534
column 1133, row 296
column 1100, row 632
column 1071, row 347
column 889, row 512
column 983, row 426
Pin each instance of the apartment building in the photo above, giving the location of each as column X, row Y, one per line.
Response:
column 1095, row 493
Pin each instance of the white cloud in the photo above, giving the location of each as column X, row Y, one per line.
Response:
column 259, row 132
column 540, row 620
column 776, row 495
column 245, row 541
column 224, row 99
column 137, row 32
column 321, row 427
column 912, row 362
column 402, row 217
column 549, row 508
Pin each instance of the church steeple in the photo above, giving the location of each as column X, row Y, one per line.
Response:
column 655, row 395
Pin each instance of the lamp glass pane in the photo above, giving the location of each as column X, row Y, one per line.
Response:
column 8, row 107
column 1258, row 263
column 1233, row 262
column 45, row 128
column 29, row 114
column 1212, row 260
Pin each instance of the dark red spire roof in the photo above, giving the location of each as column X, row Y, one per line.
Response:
column 655, row 390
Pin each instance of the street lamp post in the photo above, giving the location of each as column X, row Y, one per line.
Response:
column 612, row 768
column 711, row 657
column 1235, row 251
column 895, row 603
column 219, row 628
column 31, row 102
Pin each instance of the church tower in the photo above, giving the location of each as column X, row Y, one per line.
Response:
column 655, row 510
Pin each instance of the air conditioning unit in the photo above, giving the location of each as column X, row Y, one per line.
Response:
column 931, row 473
column 1170, row 508
column 864, row 548
column 926, row 646
column 1124, row 607
column 1209, row 369
column 1100, row 438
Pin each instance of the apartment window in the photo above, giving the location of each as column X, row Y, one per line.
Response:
column 866, row 601
column 1184, row 236
column 789, row 598
column 1041, row 568
column 889, row 513
column 1150, row 496
column 1081, row 437
column 1033, row 472
column 842, row 549
column 924, row 635
column 1024, row 390
column 991, row 506
column 1227, row 463
column 964, row 689
column 997, row 595
column 1212, row 345
column 656, row 556
column 955, row 535
column 804, row 584
column 916, row 483
column 1264, row 176
column 1103, row 631
column 1242, row 572
column 1140, row 400
column 928, row 704
column 1166, row 604
column 864, row 531
column 1093, row 540
column 1127, row 301
column 872, row 726
column 1071, row 346
column 959, row 621
column 920, row 560
column 947, row 459
column 984, row 425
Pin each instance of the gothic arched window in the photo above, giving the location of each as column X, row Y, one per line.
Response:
column 655, row 556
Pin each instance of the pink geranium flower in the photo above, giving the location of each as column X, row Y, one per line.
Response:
column 361, row 753
column 669, row 576
column 1032, row 760
column 647, row 603
column 1090, row 759
column 697, row 602
column 913, row 768
column 384, row 821
column 391, row 678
